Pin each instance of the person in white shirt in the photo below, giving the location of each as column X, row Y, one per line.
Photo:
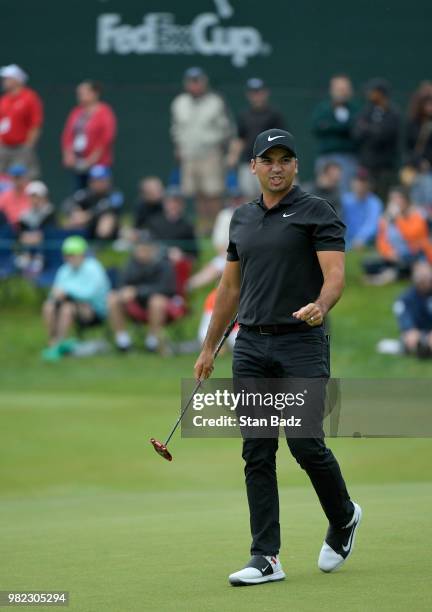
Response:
column 200, row 129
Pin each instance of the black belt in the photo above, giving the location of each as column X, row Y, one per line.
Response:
column 276, row 330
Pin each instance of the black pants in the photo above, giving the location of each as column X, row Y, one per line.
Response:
column 302, row 354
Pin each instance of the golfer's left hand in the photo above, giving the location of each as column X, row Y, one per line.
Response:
column 311, row 313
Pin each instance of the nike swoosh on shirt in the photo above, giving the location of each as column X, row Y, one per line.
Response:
column 290, row 215
column 270, row 138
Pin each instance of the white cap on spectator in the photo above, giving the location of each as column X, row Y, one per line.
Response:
column 14, row 72
column 37, row 188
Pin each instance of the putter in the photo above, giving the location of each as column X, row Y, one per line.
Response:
column 161, row 448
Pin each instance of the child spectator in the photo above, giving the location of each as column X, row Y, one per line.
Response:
column 78, row 295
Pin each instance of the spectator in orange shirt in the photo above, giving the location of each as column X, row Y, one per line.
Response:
column 21, row 117
column 89, row 133
column 402, row 239
column 15, row 201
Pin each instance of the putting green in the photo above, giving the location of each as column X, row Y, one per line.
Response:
column 173, row 550
column 89, row 507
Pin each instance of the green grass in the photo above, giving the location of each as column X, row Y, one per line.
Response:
column 87, row 506
column 173, row 551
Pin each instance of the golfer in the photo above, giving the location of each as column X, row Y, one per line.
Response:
column 284, row 272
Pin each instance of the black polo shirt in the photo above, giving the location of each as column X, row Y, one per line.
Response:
column 277, row 247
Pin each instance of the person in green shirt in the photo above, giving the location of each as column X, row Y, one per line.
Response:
column 332, row 125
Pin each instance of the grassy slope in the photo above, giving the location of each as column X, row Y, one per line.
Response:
column 87, row 506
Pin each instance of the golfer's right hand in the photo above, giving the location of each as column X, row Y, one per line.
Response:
column 204, row 365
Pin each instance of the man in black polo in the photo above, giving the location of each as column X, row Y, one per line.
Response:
column 260, row 115
column 284, row 272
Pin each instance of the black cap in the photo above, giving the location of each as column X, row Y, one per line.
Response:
column 255, row 84
column 378, row 84
column 274, row 138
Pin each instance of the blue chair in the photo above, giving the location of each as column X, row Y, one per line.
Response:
column 7, row 242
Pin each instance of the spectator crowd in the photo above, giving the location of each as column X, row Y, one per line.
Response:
column 373, row 164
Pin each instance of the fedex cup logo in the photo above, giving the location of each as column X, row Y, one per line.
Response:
column 160, row 34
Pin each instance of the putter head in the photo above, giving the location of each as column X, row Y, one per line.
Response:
column 161, row 449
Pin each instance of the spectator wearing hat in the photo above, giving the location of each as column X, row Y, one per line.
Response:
column 361, row 212
column 21, row 117
column 15, row 201
column 41, row 212
column 171, row 227
column 78, row 296
column 200, row 129
column 89, row 133
column 95, row 209
column 332, row 124
column 31, row 224
column 413, row 311
column 147, row 281
column 376, row 132
column 258, row 117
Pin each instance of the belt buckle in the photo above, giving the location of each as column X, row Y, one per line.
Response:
column 263, row 333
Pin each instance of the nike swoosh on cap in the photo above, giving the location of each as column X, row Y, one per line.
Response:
column 270, row 138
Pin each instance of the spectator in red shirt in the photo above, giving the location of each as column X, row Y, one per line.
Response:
column 89, row 133
column 16, row 201
column 21, row 117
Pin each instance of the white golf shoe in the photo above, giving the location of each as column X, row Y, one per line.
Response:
column 339, row 543
column 258, row 570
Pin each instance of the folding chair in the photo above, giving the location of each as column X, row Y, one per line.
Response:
column 7, row 242
column 8, row 269
column 177, row 305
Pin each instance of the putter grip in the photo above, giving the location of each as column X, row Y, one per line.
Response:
column 227, row 332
